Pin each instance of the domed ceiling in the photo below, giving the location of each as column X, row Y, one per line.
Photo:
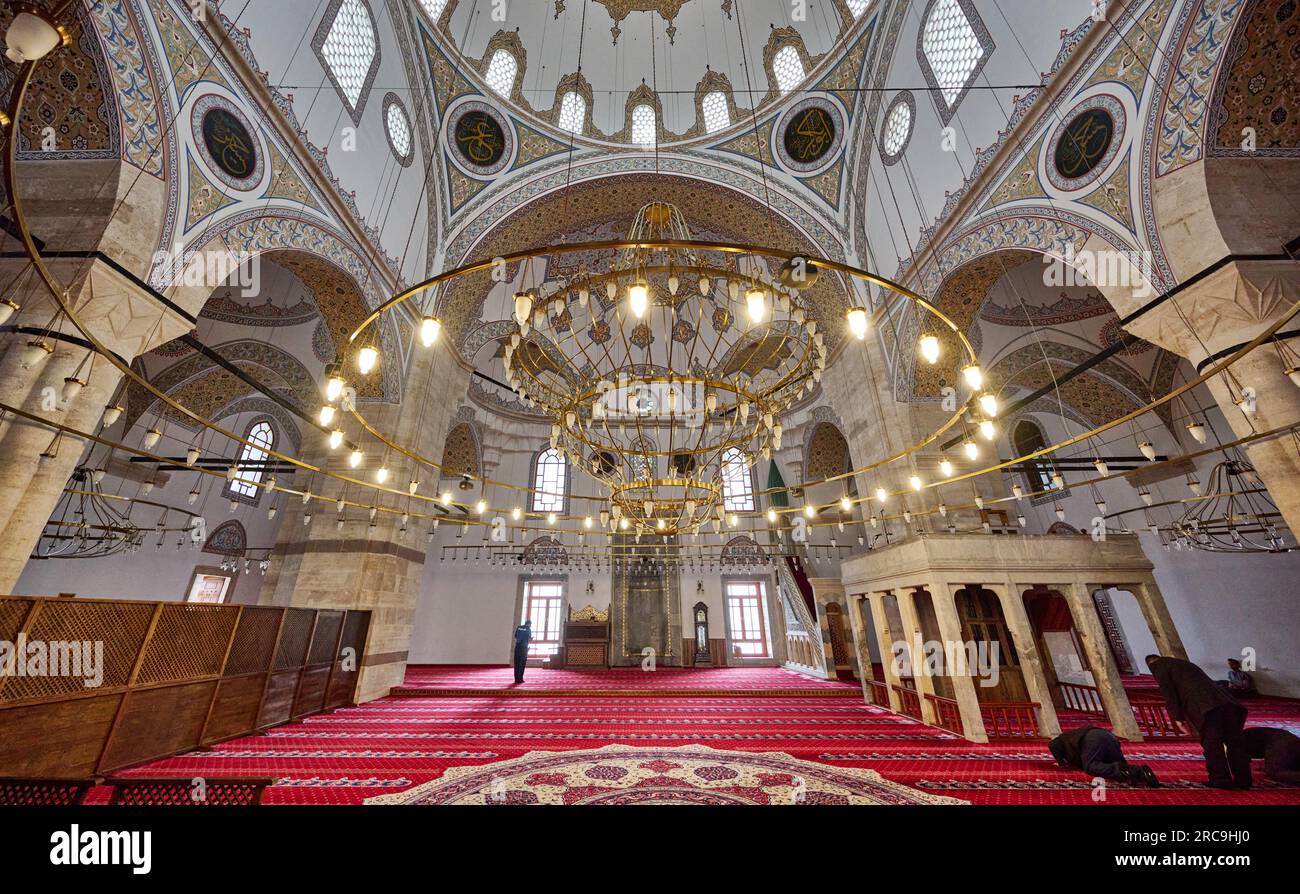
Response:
column 614, row 54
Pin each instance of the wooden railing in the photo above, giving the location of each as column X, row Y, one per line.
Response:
column 1010, row 720
column 1082, row 698
column 877, row 693
column 909, row 701
column 184, row 792
column 174, row 676
column 947, row 713
column 1153, row 720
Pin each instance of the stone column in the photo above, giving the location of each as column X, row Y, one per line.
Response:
column 885, row 639
column 914, row 635
column 1104, row 670
column 1031, row 660
column 1219, row 314
column 861, row 653
column 363, row 566
column 1157, row 616
column 963, row 684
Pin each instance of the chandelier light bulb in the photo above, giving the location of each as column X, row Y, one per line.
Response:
column 481, row 507
column 623, row 524
column 550, row 518
column 367, row 357
column 523, row 307
column 638, row 298
column 334, row 386
column 31, row 38
column 1021, row 520
column 989, row 404
column 974, row 377
column 71, row 388
column 846, row 505
column 1293, row 373
column 336, row 439
column 587, row 522
column 916, row 482
column 516, row 513
column 1017, row 491
column 756, row 304
column 1197, row 431
column 733, row 520
column 147, row 487
column 771, row 516
column 810, row 510
column 326, row 414
column 192, row 497
column 430, row 329
column 36, row 351
column 1148, row 450
column 340, row 505
column 945, row 468
column 943, row 510
column 1146, row 496
column 972, row 450
column 987, row 429
column 446, row 498
column 7, row 309
column 857, row 317
column 232, row 471
column 381, row 474
column 881, row 495
column 1101, row 506
column 355, row 459
column 151, row 438
column 111, row 414
column 930, row 349
column 306, row 497
column 191, row 456
column 1060, row 514
column 1102, row 469
column 413, row 487
column 979, row 502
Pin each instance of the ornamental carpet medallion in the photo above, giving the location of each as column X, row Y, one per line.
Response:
column 691, row 774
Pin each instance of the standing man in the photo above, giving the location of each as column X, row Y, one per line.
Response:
column 1215, row 716
column 523, row 636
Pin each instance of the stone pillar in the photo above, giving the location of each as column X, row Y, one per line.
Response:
column 914, row 635
column 1031, row 660
column 963, row 685
column 1104, row 670
column 1219, row 314
column 363, row 566
column 1157, row 616
column 885, row 639
column 129, row 322
column 861, row 653
column 825, row 591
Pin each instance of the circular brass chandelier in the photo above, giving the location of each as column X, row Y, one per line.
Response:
column 660, row 395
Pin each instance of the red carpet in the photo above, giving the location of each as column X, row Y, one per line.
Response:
column 397, row 743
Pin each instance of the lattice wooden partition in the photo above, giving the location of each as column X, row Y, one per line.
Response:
column 174, row 676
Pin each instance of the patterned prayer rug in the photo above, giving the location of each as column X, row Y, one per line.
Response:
column 691, row 774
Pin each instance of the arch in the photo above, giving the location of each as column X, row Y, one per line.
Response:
column 502, row 67
column 1027, row 437
column 825, row 453
column 228, row 539
column 784, row 48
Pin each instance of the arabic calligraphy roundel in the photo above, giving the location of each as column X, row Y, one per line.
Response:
column 481, row 139
column 231, row 150
column 809, row 136
column 1084, row 147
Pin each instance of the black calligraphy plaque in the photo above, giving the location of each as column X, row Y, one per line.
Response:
column 230, row 146
column 479, row 139
column 809, row 135
column 1084, row 144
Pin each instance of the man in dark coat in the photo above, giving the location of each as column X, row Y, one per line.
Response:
column 523, row 636
column 1279, row 749
column 1097, row 752
column 1215, row 716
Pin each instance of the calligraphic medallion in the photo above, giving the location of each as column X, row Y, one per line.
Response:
column 810, row 135
column 231, row 150
column 481, row 140
column 1084, row 147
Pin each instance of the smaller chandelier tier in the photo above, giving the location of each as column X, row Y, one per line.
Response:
column 664, row 368
column 1236, row 516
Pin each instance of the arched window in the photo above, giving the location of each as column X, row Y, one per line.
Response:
column 501, row 72
column 573, row 110
column 1028, row 438
column 954, row 47
column 398, row 128
column 548, row 481
column 349, row 48
column 716, row 114
column 898, row 127
column 252, row 462
column 737, row 486
column 788, row 68
column 643, row 125
column 857, row 7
